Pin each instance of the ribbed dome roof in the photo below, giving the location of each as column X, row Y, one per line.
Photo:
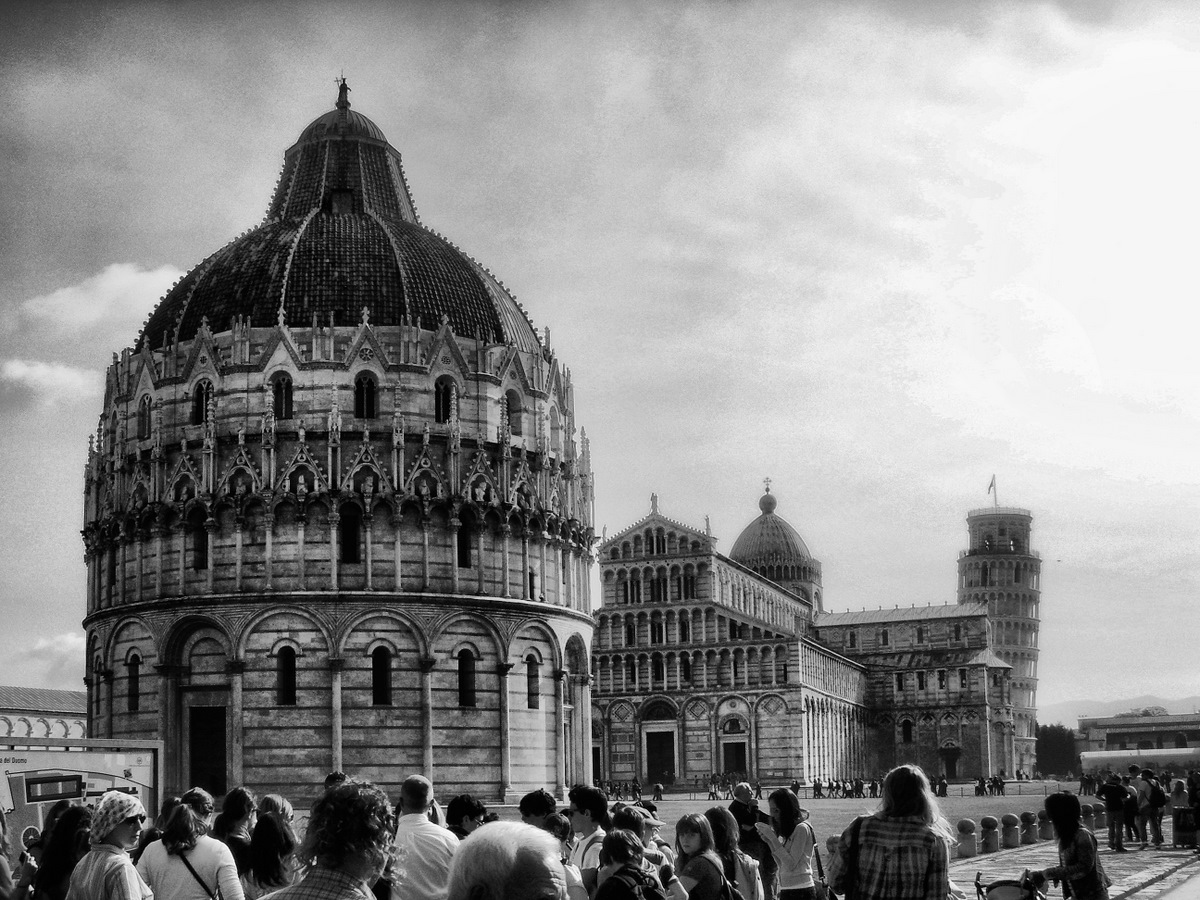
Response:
column 769, row 540
column 341, row 234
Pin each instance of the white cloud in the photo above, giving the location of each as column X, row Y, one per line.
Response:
column 57, row 661
column 51, row 382
column 120, row 297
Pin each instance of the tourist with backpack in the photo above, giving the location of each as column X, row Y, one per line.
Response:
column 1150, row 799
column 791, row 842
column 621, row 874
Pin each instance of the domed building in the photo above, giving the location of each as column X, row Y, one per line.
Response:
column 709, row 665
column 336, row 515
column 705, row 663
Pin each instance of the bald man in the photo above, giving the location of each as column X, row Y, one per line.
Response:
column 424, row 850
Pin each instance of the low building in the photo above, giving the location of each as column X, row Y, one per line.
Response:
column 42, row 713
column 1147, row 729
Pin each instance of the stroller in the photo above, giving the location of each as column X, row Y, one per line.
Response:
column 1022, row 888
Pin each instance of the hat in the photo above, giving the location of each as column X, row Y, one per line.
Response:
column 114, row 808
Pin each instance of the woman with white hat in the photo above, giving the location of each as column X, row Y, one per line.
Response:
column 107, row 872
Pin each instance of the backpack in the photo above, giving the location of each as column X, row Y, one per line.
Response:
column 641, row 885
column 729, row 890
column 1158, row 799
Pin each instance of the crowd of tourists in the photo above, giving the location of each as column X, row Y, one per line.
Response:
column 356, row 846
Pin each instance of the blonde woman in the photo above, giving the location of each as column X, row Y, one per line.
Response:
column 902, row 851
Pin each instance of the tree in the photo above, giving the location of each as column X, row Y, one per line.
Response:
column 1056, row 749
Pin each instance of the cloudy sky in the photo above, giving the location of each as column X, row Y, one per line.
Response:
column 874, row 251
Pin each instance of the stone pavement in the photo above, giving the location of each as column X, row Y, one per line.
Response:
column 1133, row 874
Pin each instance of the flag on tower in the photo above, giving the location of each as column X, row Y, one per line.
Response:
column 992, row 486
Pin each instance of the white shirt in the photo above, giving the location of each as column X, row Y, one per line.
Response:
column 423, row 855
column 169, row 877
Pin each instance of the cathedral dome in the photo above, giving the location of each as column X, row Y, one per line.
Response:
column 769, row 540
column 341, row 236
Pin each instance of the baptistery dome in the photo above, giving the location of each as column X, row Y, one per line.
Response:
column 341, row 236
column 770, row 546
column 337, row 494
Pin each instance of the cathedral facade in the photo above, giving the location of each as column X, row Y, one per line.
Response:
column 707, row 664
column 336, row 514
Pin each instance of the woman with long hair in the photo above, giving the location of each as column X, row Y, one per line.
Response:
column 696, row 861
column 791, row 842
column 186, row 863
column 66, row 847
column 235, row 823
column 740, row 869
column 106, row 872
column 1078, row 855
column 155, row 831
column 271, row 849
column 902, row 851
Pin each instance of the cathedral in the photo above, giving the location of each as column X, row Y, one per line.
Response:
column 336, row 513
column 707, row 664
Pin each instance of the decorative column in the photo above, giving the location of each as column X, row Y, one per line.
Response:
column 122, row 543
column 397, row 582
column 424, row 553
column 543, row 590
column 560, row 718
column 479, row 558
column 752, row 749
column 455, row 527
column 237, row 565
column 502, row 670
column 236, row 669
column 505, row 535
column 137, row 589
column 336, row 664
column 525, row 563
column 269, row 527
column 427, row 663
column 159, row 532
column 300, row 548
column 182, row 559
column 169, row 725
column 210, row 531
column 334, row 520
column 368, row 518
column 107, row 676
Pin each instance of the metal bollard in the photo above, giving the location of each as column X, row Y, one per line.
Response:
column 1029, row 831
column 1010, row 835
column 968, row 846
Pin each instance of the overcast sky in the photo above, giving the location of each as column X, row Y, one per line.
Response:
column 874, row 251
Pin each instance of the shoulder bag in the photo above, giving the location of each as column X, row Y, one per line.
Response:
column 213, row 894
column 820, row 885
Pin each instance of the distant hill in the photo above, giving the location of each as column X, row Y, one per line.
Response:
column 1068, row 712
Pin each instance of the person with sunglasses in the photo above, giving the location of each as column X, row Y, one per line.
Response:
column 107, row 872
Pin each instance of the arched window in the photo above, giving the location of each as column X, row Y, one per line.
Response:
column 466, row 678
column 133, row 674
column 920, row 635
column 200, row 402
column 516, row 412
column 884, row 638
column 143, row 418
column 657, row 632
column 199, row 531
column 381, row 676
column 443, row 391
column 349, row 534
column 958, row 632
column 852, row 639
column 685, row 668
column 906, row 732
column 281, row 389
column 285, row 677
column 533, row 687
column 685, row 628
column 364, row 397
column 630, row 633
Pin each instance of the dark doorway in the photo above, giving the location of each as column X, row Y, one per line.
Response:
column 660, row 756
column 735, row 757
column 206, row 748
column 597, row 771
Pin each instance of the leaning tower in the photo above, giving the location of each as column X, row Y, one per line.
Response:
column 1001, row 570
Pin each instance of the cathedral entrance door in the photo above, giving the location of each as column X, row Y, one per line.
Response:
column 735, row 756
column 206, row 748
column 660, row 757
